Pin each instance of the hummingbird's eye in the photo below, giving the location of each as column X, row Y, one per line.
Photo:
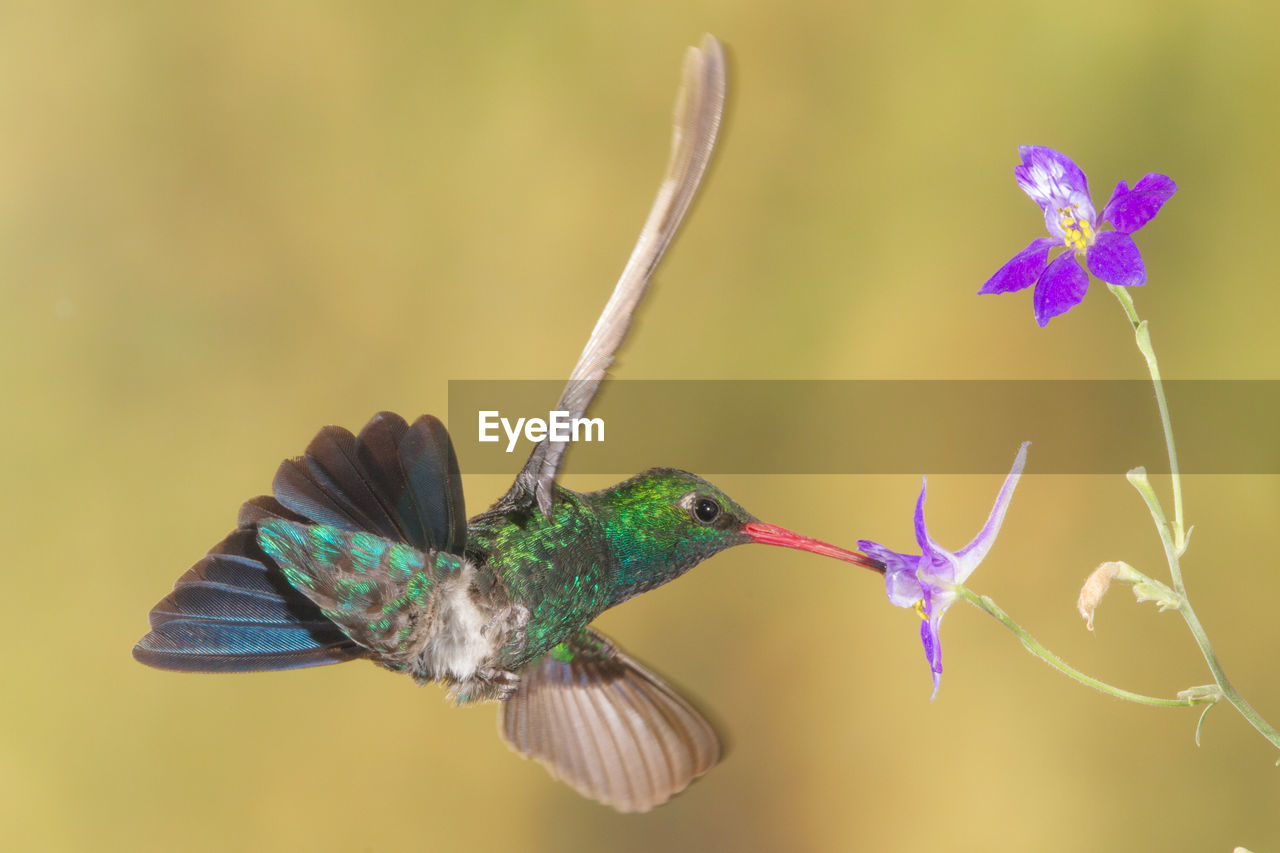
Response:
column 706, row 510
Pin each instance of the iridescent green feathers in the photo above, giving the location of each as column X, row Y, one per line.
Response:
column 650, row 526
column 375, row 590
column 554, row 566
column 597, row 550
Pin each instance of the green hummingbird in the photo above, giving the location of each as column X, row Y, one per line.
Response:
column 364, row 550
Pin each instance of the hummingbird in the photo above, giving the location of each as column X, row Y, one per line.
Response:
column 364, row 551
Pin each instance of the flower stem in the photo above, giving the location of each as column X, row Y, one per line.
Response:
column 1143, row 336
column 1229, row 691
column 1138, row 477
column 1173, row 537
column 985, row 604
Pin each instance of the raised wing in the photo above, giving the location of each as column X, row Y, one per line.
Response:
column 699, row 106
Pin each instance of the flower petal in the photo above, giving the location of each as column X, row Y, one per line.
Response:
column 899, row 572
column 936, row 563
column 972, row 554
column 1060, row 288
column 931, row 640
column 893, row 561
column 1048, row 176
column 1054, row 182
column 1023, row 269
column 1115, row 259
column 927, row 546
column 903, row 588
column 1128, row 210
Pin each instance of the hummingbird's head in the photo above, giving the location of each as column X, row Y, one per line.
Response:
column 663, row 522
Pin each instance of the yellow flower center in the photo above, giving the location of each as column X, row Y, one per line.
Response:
column 918, row 607
column 1079, row 233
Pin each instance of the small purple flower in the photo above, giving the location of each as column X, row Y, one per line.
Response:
column 924, row 581
column 1062, row 191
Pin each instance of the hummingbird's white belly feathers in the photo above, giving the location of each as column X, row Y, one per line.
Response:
column 465, row 637
column 457, row 643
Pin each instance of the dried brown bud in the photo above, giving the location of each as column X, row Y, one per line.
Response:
column 1095, row 587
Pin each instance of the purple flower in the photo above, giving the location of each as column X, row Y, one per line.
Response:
column 1062, row 191
column 924, row 581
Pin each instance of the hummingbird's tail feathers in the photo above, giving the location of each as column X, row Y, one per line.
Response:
column 430, row 468
column 232, row 612
column 396, row 481
column 237, row 611
column 329, row 485
column 699, row 108
column 608, row 727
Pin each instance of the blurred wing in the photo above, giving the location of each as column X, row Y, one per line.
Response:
column 607, row 726
column 234, row 612
column 699, row 106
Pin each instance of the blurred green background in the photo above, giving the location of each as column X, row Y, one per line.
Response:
column 224, row 225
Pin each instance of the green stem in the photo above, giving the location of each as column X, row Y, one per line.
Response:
column 1138, row 477
column 1175, row 540
column 1143, row 336
column 1032, row 645
column 1224, row 684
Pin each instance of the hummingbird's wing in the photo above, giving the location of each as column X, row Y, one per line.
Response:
column 236, row 611
column 699, row 106
column 608, row 727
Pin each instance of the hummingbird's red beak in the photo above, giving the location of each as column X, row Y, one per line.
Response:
column 771, row 534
